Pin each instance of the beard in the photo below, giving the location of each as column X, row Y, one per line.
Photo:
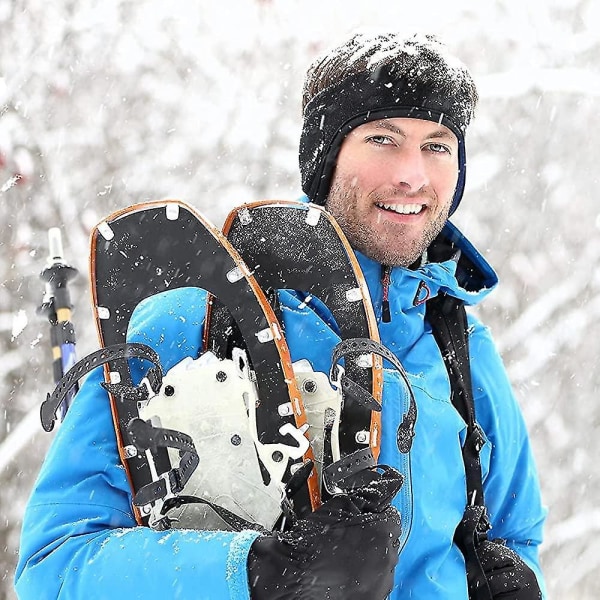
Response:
column 386, row 242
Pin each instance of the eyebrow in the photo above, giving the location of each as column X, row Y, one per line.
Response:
column 437, row 134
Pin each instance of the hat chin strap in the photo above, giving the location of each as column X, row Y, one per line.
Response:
column 462, row 174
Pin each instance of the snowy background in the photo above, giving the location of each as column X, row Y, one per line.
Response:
column 103, row 104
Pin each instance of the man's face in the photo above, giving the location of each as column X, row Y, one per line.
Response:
column 393, row 186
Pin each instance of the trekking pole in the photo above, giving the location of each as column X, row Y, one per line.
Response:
column 56, row 306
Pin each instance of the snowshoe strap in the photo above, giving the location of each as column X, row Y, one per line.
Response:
column 147, row 437
column 144, row 436
column 338, row 475
column 170, row 483
column 152, row 381
column 235, row 522
column 357, row 393
column 362, row 347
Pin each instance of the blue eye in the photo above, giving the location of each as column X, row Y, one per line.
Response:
column 439, row 148
column 380, row 139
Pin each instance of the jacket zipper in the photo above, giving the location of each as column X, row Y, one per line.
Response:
column 386, row 315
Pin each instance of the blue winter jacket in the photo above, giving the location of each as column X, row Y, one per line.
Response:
column 80, row 539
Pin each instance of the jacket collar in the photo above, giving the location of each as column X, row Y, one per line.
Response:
column 452, row 266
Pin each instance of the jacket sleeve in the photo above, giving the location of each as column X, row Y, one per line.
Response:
column 511, row 483
column 79, row 537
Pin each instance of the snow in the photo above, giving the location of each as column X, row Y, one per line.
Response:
column 13, row 446
column 20, row 321
column 10, row 182
column 520, row 81
column 105, row 104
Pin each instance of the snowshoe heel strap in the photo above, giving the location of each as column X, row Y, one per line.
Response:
column 365, row 346
column 145, row 436
column 169, row 484
column 89, row 363
column 342, row 474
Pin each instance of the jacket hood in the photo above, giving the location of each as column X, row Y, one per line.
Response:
column 472, row 277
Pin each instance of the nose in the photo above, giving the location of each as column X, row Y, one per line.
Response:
column 410, row 170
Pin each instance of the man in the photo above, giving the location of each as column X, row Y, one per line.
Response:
column 383, row 149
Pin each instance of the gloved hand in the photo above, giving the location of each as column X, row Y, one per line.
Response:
column 347, row 549
column 508, row 577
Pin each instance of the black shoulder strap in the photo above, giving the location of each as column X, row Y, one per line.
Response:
column 448, row 319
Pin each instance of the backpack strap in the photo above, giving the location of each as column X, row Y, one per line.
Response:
column 448, row 319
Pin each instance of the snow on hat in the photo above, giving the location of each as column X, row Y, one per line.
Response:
column 392, row 77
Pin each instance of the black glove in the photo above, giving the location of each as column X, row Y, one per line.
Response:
column 347, row 549
column 508, row 577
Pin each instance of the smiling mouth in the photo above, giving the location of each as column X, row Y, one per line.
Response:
column 402, row 209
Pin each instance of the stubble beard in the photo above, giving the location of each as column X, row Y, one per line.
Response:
column 391, row 246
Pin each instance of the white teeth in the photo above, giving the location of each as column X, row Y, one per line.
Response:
column 403, row 209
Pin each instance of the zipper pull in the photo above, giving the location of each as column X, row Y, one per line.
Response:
column 386, row 315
